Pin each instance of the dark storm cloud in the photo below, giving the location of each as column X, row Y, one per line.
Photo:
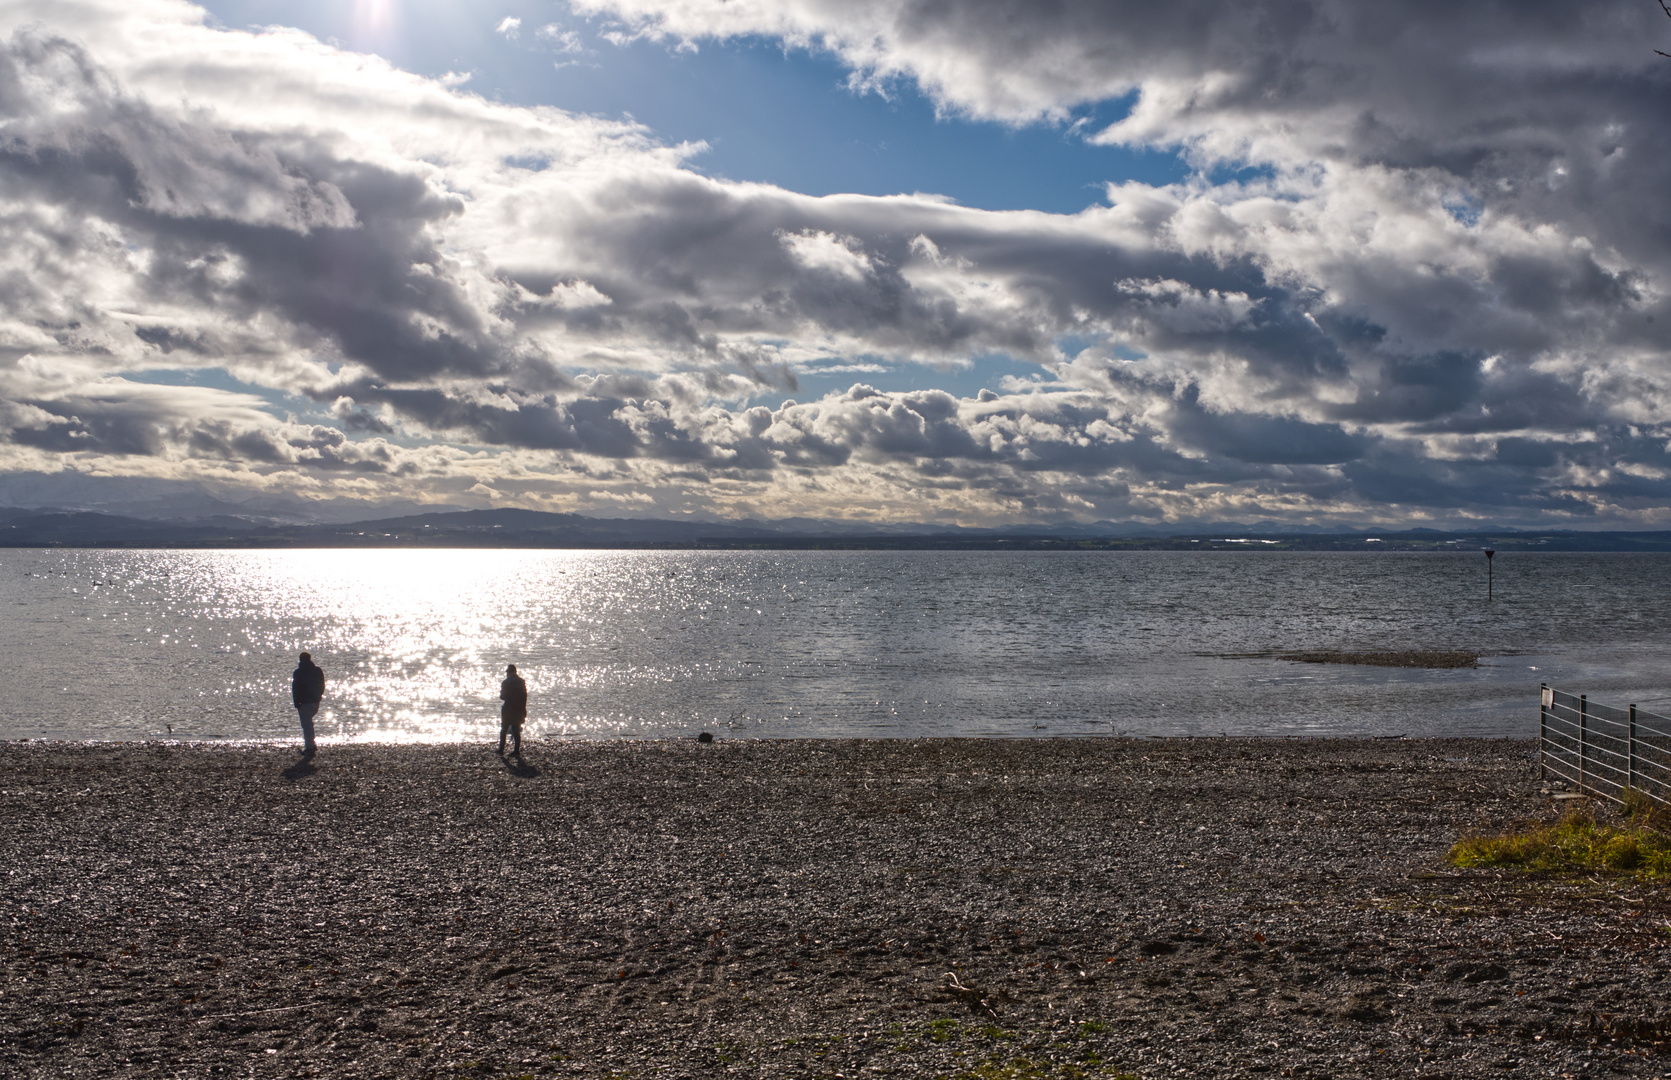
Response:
column 1264, row 439
column 120, row 434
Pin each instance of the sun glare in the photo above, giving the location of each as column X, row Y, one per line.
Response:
column 373, row 16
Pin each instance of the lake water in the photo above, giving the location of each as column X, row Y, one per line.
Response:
column 200, row 644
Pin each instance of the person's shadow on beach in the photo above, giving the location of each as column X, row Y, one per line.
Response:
column 520, row 768
column 300, row 771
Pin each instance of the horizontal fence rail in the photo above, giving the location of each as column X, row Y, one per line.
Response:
column 1604, row 750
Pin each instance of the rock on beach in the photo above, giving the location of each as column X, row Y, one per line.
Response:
column 1099, row 907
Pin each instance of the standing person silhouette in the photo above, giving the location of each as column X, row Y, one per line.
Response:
column 307, row 690
column 514, row 693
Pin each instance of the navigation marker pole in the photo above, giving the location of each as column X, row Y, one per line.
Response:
column 1488, row 554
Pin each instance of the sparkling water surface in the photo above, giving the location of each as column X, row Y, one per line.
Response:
column 199, row 644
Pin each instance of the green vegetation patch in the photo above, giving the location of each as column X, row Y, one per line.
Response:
column 1575, row 843
column 944, row 1030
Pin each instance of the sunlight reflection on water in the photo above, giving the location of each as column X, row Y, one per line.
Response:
column 131, row 644
column 420, row 639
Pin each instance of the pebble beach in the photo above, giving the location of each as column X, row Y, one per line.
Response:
column 956, row 908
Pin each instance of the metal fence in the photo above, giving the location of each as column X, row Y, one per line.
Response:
column 1603, row 749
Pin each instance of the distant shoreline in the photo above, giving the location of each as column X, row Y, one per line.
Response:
column 527, row 529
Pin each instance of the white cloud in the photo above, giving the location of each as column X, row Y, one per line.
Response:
column 510, row 26
column 841, row 256
column 575, row 296
column 553, row 36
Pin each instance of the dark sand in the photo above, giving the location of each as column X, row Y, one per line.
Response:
column 1209, row 908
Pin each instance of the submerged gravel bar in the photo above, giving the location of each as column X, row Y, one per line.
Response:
column 1203, row 908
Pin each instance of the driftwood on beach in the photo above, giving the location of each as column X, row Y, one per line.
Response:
column 1223, row 908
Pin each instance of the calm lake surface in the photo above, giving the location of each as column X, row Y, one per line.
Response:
column 138, row 644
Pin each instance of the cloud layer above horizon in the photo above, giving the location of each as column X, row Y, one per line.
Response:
column 1419, row 273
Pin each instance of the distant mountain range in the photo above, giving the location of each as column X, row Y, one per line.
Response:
column 181, row 500
column 536, row 529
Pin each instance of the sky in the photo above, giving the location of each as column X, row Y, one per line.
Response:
column 1295, row 262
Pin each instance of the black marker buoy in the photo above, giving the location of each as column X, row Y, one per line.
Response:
column 1488, row 554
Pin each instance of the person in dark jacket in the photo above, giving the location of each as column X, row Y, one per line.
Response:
column 307, row 690
column 514, row 693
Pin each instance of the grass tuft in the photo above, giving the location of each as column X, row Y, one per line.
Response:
column 944, row 1030
column 1642, row 809
column 1575, row 843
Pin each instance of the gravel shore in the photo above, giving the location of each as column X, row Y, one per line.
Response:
column 1202, row 908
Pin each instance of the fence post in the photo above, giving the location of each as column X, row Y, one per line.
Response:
column 1543, row 725
column 1583, row 738
column 1630, row 751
